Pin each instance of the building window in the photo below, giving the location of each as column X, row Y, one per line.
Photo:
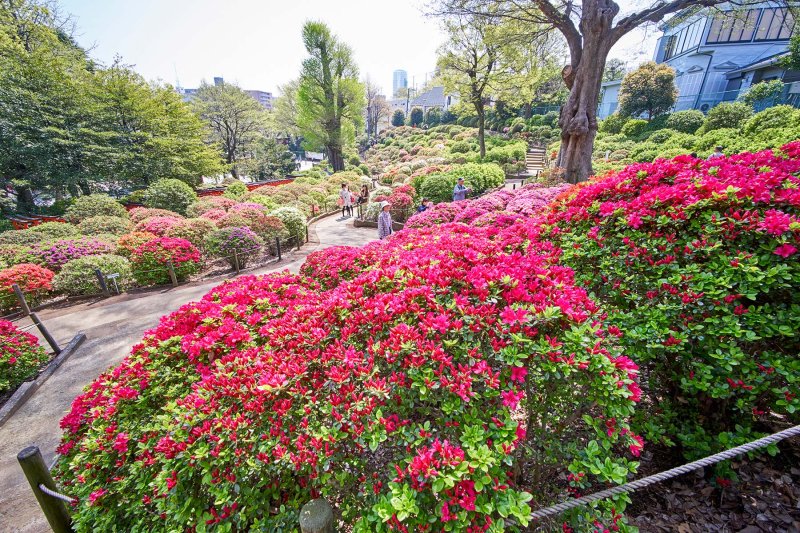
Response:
column 762, row 24
column 687, row 38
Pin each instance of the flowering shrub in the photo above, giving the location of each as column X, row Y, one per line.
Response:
column 20, row 356
column 94, row 205
column 697, row 264
column 21, row 237
column 149, row 261
column 53, row 230
column 12, row 254
column 193, row 230
column 170, row 194
column 54, row 254
column 159, row 225
column 204, row 205
column 35, row 282
column 78, row 277
column 104, row 224
column 226, row 242
column 411, row 398
column 214, row 215
column 138, row 214
column 438, row 214
column 129, row 242
column 293, row 220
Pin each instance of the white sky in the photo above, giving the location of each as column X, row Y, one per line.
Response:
column 258, row 45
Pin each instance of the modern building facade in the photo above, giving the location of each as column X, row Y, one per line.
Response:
column 399, row 81
column 718, row 54
column 262, row 97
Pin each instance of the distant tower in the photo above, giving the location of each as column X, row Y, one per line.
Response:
column 218, row 81
column 399, row 81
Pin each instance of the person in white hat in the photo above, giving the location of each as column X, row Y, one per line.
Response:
column 385, row 220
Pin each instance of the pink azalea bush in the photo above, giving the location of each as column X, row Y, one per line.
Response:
column 138, row 214
column 149, row 261
column 54, row 254
column 412, row 399
column 20, row 356
column 159, row 225
column 34, row 281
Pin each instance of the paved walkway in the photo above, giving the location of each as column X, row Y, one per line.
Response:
column 112, row 326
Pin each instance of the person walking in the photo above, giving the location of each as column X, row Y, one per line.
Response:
column 363, row 196
column 346, row 201
column 385, row 221
column 460, row 191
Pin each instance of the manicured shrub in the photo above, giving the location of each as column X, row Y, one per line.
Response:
column 34, row 281
column 94, row 205
column 235, row 191
column 159, row 225
column 129, row 242
column 634, row 128
column 204, row 205
column 293, row 220
column 763, row 93
column 149, row 261
column 170, row 194
column 138, row 214
column 20, row 237
column 446, row 396
column 54, row 254
column 78, row 277
column 20, row 356
column 53, row 230
column 613, row 123
column 438, row 187
column 688, row 121
column 193, row 230
column 696, row 263
column 727, row 115
column 104, row 224
column 780, row 116
column 12, row 254
column 233, row 243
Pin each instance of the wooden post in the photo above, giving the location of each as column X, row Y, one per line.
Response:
column 21, row 297
column 46, row 334
column 236, row 261
column 299, row 241
column 306, row 232
column 316, row 517
column 172, row 275
column 30, row 459
column 278, row 246
column 102, row 279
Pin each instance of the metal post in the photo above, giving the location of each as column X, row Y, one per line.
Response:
column 278, row 246
column 236, row 261
column 102, row 279
column 46, row 334
column 30, row 459
column 21, row 297
column 316, row 517
column 172, row 275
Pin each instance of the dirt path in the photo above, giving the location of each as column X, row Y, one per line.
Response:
column 112, row 326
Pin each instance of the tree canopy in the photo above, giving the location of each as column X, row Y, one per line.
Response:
column 650, row 89
column 330, row 99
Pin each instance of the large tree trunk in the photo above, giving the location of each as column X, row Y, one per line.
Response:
column 25, row 200
column 481, row 126
column 335, row 157
column 578, row 119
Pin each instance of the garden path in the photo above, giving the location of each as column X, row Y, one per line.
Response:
column 112, row 326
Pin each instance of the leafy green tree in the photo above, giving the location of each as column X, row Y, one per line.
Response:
column 763, row 93
column 330, row 99
column 615, row 70
column 270, row 159
column 416, row 117
column 433, row 116
column 649, row 89
column 234, row 118
column 792, row 61
column 398, row 118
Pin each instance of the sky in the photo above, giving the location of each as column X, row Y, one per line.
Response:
column 257, row 43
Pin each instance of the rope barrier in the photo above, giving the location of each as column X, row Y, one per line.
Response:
column 668, row 474
column 56, row 495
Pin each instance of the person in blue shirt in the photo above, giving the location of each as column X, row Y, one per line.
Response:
column 423, row 206
column 460, row 191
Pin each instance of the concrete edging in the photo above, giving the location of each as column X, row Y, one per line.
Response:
column 26, row 390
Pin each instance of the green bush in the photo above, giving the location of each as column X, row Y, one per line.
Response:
column 94, row 205
column 727, row 115
column 780, row 116
column 438, row 187
column 235, row 191
column 293, row 219
column 661, row 136
column 763, row 93
column 193, row 230
column 462, row 147
column 634, row 128
column 77, row 277
column 718, row 137
column 105, row 224
column 688, row 121
column 170, row 194
column 54, row 230
column 20, row 237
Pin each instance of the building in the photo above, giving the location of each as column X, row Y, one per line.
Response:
column 433, row 97
column 399, row 81
column 718, row 54
column 262, row 97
